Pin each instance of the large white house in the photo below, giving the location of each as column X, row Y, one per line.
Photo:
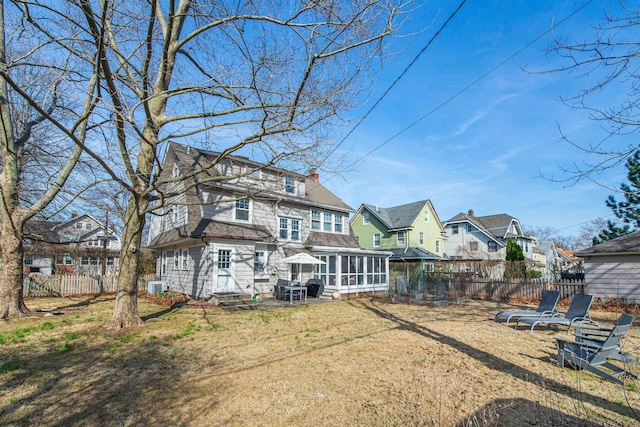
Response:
column 226, row 230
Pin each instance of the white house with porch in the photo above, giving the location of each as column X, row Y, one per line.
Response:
column 227, row 229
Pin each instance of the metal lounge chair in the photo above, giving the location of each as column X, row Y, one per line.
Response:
column 597, row 336
column 578, row 312
column 547, row 308
column 593, row 358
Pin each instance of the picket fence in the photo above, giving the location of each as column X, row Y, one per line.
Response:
column 63, row 285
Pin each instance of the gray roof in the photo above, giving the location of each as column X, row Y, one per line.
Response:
column 412, row 254
column 190, row 159
column 329, row 239
column 396, row 217
column 495, row 225
column 214, row 229
column 628, row 245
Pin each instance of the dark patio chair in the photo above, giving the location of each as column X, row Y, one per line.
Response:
column 577, row 313
column 546, row 308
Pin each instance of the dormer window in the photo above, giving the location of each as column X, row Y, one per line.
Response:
column 175, row 171
column 365, row 218
column 289, row 185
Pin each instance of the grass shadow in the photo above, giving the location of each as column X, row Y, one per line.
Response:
column 498, row 364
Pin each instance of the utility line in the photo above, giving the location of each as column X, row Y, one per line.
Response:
column 460, row 92
column 386, row 92
column 448, row 99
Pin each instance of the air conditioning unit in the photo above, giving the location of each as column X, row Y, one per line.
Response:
column 157, row 286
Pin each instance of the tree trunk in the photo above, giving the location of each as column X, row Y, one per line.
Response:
column 11, row 277
column 126, row 310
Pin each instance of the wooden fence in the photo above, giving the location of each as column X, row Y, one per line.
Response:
column 62, row 285
column 451, row 286
column 526, row 289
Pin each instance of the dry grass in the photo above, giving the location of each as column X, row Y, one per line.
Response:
column 349, row 363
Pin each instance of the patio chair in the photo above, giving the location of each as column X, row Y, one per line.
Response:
column 279, row 290
column 592, row 357
column 578, row 312
column 546, row 308
column 597, row 336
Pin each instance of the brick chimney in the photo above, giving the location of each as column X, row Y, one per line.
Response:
column 471, row 212
column 74, row 214
column 315, row 176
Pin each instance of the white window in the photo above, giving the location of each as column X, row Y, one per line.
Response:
column 365, row 218
column 358, row 240
column 473, row 246
column 315, row 220
column 28, row 260
column 185, row 259
column 492, row 246
column 176, row 260
column 454, row 229
column 84, row 261
column 289, row 185
column 242, row 210
column 110, row 260
column 289, row 228
column 175, row 172
column 174, row 208
column 163, row 263
column 337, row 223
column 376, row 240
column 422, row 239
column 327, row 223
column 426, row 216
column 87, row 226
column 259, row 262
column 469, row 228
column 437, row 246
column 400, row 238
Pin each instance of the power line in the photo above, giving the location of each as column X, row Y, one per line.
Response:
column 396, row 80
column 448, row 99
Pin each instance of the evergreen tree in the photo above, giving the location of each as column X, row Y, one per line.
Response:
column 611, row 232
column 514, row 251
column 628, row 211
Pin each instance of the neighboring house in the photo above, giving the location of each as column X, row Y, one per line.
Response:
column 78, row 246
column 411, row 232
column 485, row 237
column 568, row 265
column 612, row 268
column 227, row 229
column 473, row 238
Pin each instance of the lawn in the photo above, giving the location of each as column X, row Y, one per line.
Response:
column 359, row 362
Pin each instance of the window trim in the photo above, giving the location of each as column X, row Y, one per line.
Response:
column 237, row 210
column 421, row 238
column 374, row 240
column 404, row 238
column 289, row 228
column 454, row 229
column 289, row 185
column 365, row 218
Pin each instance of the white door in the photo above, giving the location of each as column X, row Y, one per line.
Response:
column 224, row 270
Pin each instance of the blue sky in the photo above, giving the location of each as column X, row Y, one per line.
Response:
column 487, row 149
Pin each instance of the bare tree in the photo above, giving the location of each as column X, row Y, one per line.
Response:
column 609, row 62
column 37, row 156
column 258, row 77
